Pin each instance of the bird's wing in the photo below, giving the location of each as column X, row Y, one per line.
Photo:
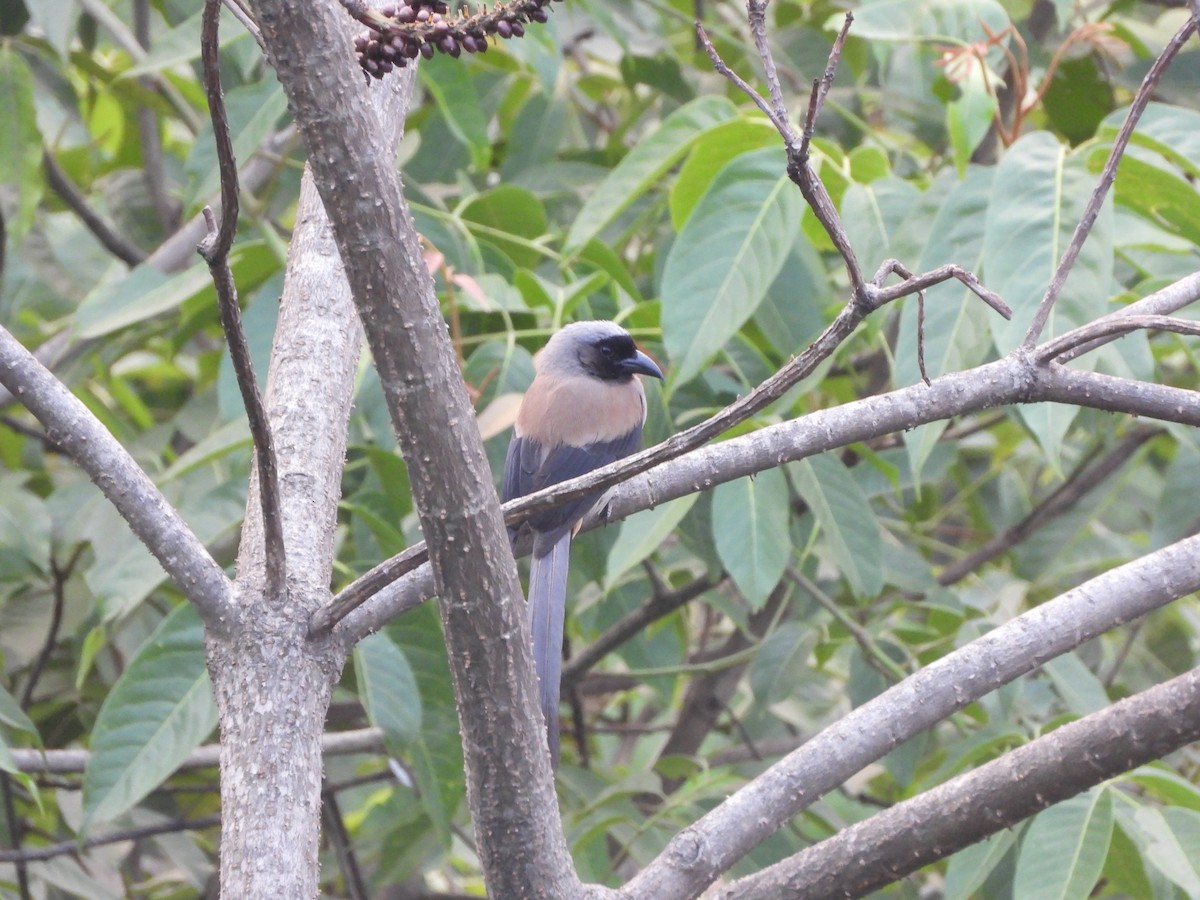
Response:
column 529, row 468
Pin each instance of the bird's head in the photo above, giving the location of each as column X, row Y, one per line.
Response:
column 600, row 349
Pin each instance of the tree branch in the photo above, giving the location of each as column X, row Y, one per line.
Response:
column 698, row 854
column 660, row 605
column 215, row 250
column 72, row 761
column 1107, row 176
column 1162, row 302
column 73, row 427
column 40, row 854
column 997, row 795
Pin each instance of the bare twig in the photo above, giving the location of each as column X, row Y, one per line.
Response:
column 1111, row 326
column 242, row 13
column 16, row 831
column 873, row 654
column 215, row 250
column 756, row 13
column 58, row 575
column 1162, row 302
column 1107, row 176
column 335, row 828
column 778, row 120
column 1012, row 380
column 64, row 848
column 821, row 86
column 105, row 232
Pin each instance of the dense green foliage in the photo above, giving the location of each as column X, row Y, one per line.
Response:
column 599, row 168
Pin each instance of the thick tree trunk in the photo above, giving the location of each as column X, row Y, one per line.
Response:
column 272, row 692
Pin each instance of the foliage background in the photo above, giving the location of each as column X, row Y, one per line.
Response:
column 598, row 168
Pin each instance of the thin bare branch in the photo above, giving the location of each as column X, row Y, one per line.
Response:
column 756, row 13
column 74, row 761
column 149, row 136
column 1107, row 176
column 242, row 13
column 72, row 426
column 64, row 848
column 215, row 250
column 1014, row 379
column 1162, row 302
column 780, row 122
column 1109, row 327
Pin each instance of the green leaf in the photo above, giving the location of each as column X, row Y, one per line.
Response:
column 876, row 211
column 388, row 690
column 782, row 662
column 21, row 149
column 846, row 519
column 970, row 868
column 450, row 84
column 25, row 529
column 710, row 154
column 435, row 752
column 1125, row 867
column 1063, row 851
column 956, row 326
column 1173, row 131
column 646, row 163
column 641, row 534
column 1167, row 785
column 181, row 44
column 750, row 529
column 924, row 20
column 1038, row 194
column 970, row 116
column 143, row 294
column 721, row 265
column 253, row 112
column 507, row 209
column 1172, row 844
column 158, row 712
column 13, row 716
column 1079, row 688
column 1160, row 196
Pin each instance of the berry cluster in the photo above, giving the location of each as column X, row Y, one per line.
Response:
column 411, row 28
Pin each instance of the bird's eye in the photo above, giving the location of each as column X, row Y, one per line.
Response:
column 606, row 350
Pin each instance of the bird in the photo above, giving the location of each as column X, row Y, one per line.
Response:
column 584, row 409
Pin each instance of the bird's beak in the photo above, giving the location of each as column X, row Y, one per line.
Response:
column 642, row 365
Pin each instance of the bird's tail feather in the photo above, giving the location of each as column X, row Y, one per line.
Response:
column 547, row 602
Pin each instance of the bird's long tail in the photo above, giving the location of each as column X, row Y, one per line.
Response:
column 547, row 602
